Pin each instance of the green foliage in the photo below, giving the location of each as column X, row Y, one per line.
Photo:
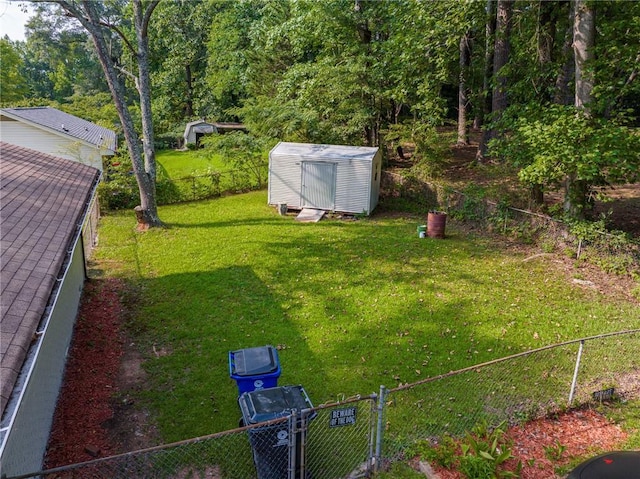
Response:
column 118, row 188
column 178, row 42
column 13, row 85
column 59, row 60
column 430, row 146
column 243, row 152
column 442, row 454
column 399, row 470
column 554, row 451
column 473, row 205
column 484, row 452
column 553, row 143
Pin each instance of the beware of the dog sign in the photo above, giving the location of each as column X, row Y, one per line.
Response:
column 342, row 417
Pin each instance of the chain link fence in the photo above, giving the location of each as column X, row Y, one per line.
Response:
column 357, row 437
column 514, row 389
column 612, row 251
column 120, row 191
column 211, row 185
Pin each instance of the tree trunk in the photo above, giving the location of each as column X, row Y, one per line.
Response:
column 575, row 195
column 500, row 59
column 148, row 193
column 188, row 111
column 583, row 42
column 563, row 94
column 463, row 129
column 485, row 109
column 143, row 168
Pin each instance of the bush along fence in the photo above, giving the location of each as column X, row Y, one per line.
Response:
column 121, row 192
column 359, row 436
column 613, row 251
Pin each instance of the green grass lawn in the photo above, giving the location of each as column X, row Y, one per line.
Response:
column 180, row 164
column 351, row 304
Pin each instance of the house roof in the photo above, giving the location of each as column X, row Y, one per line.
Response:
column 64, row 124
column 42, row 200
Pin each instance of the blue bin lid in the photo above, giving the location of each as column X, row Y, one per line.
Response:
column 272, row 403
column 254, row 361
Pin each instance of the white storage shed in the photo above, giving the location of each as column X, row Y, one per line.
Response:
column 325, row 177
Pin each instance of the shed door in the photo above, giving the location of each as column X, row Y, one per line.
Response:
column 318, row 185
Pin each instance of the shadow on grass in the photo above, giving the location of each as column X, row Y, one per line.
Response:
column 190, row 322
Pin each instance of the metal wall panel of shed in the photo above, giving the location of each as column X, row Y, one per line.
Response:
column 285, row 180
column 353, row 187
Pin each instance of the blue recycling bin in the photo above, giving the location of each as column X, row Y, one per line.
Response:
column 271, row 444
column 254, row 368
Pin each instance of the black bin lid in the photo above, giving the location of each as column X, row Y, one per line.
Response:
column 272, row 403
column 613, row 465
column 255, row 361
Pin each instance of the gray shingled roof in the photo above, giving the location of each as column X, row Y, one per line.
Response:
column 65, row 124
column 42, row 200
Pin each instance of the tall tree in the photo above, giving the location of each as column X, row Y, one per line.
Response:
column 501, row 51
column 59, row 60
column 100, row 28
column 583, row 42
column 576, row 188
column 463, row 97
column 179, row 36
column 563, row 94
column 13, row 87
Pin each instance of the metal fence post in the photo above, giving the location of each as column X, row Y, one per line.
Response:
column 293, row 421
column 380, row 431
column 575, row 372
column 304, row 424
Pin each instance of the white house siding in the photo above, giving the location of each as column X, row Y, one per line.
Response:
column 27, row 136
column 24, row 443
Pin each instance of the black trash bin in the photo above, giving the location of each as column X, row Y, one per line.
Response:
column 270, row 444
column 612, row 465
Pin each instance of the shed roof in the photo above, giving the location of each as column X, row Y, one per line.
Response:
column 42, row 200
column 334, row 152
column 65, row 124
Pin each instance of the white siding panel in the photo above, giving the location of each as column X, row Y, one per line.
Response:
column 285, row 180
column 27, row 136
column 352, row 189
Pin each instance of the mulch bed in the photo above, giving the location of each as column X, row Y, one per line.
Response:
column 90, row 378
column 578, row 433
